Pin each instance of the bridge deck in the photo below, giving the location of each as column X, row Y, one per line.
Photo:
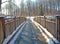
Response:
column 28, row 33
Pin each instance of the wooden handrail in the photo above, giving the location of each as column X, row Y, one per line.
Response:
column 51, row 24
column 8, row 25
column 9, row 22
column 51, row 21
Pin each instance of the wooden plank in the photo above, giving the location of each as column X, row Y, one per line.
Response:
column 58, row 28
column 1, row 29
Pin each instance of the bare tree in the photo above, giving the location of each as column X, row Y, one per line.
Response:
column 29, row 7
column 0, row 5
column 22, row 7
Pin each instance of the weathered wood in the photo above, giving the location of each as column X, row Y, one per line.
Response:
column 2, row 32
column 12, row 24
column 51, row 26
column 48, row 24
column 7, row 26
column 58, row 28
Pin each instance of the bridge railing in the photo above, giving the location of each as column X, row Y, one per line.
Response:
column 8, row 25
column 52, row 25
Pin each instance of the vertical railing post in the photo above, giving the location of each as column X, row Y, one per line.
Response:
column 58, row 27
column 15, row 22
column 2, row 29
column 45, row 21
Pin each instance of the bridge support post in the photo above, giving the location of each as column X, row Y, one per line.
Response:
column 2, row 31
column 58, row 27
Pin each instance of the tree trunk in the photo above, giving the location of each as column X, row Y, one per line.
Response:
column 0, row 5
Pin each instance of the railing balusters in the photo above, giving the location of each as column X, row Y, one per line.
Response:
column 50, row 25
column 8, row 25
